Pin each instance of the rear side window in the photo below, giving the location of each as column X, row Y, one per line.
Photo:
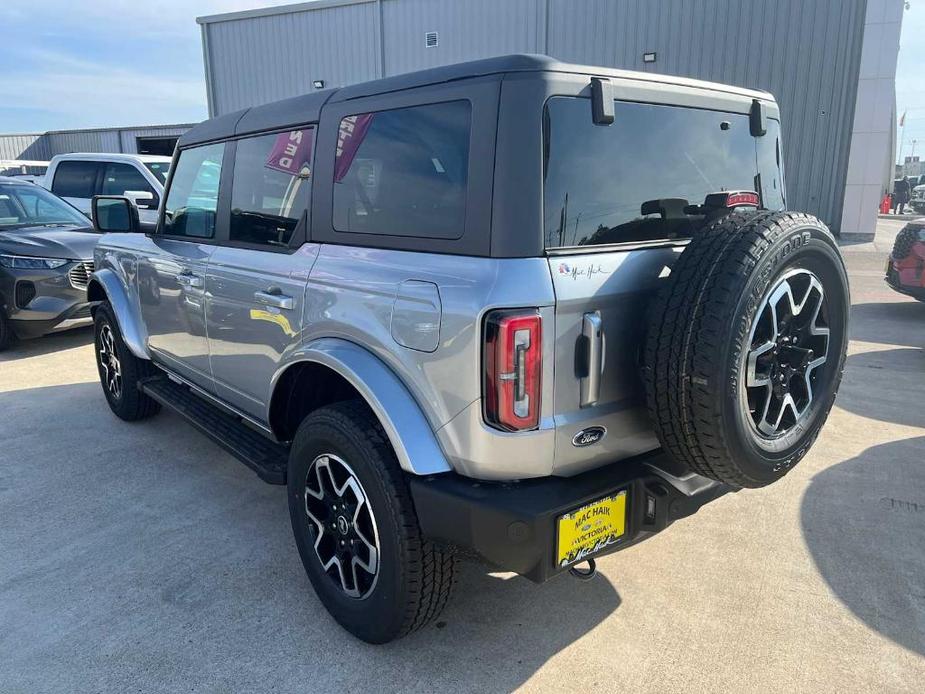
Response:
column 193, row 197
column 75, row 179
column 404, row 172
column 118, row 178
column 270, row 187
column 634, row 179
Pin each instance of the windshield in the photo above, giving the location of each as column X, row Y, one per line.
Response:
column 159, row 169
column 25, row 205
column 666, row 159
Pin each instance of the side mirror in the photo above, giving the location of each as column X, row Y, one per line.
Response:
column 114, row 214
column 143, row 199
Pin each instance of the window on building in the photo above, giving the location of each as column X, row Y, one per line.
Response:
column 193, row 197
column 404, row 172
column 270, row 186
column 75, row 179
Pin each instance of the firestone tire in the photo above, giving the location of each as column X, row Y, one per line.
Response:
column 347, row 496
column 120, row 370
column 745, row 346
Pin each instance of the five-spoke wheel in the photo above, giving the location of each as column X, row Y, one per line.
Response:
column 110, row 368
column 344, row 528
column 789, row 341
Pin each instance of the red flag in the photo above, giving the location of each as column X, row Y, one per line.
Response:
column 349, row 138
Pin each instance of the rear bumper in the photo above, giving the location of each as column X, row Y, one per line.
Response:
column 513, row 525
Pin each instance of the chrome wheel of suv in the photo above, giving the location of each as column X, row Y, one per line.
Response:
column 109, row 362
column 346, row 537
column 789, row 340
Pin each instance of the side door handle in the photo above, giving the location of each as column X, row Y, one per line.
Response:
column 592, row 333
column 273, row 297
column 186, row 279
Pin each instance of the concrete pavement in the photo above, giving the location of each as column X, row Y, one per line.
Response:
column 142, row 558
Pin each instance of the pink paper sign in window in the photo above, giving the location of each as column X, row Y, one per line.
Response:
column 349, row 138
column 292, row 152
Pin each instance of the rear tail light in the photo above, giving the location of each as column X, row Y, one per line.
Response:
column 513, row 369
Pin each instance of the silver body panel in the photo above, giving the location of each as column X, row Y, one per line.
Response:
column 248, row 336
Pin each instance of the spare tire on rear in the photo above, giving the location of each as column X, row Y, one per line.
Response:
column 745, row 346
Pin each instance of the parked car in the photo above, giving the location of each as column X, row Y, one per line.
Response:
column 917, row 201
column 24, row 169
column 905, row 268
column 529, row 310
column 46, row 257
column 139, row 177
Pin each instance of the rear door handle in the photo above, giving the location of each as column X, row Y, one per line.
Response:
column 274, row 298
column 185, row 279
column 593, row 333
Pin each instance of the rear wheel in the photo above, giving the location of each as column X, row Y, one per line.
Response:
column 746, row 346
column 120, row 370
column 356, row 528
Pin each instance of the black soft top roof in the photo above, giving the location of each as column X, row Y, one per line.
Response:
column 307, row 108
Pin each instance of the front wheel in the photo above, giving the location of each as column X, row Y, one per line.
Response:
column 356, row 528
column 120, row 370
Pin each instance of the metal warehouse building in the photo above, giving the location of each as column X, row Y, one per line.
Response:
column 830, row 63
column 145, row 139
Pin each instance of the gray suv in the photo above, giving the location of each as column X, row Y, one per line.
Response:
column 513, row 309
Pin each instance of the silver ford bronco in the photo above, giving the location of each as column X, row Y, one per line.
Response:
column 513, row 309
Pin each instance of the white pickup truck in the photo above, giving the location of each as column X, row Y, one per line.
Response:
column 139, row 177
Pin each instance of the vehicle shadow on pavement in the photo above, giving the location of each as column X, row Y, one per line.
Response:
column 864, row 524
column 142, row 557
column 78, row 337
column 890, row 322
column 881, row 384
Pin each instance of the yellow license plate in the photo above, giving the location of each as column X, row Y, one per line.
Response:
column 590, row 529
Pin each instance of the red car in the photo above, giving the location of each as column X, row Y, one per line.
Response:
column 905, row 270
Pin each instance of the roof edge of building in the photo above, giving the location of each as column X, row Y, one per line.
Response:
column 279, row 9
column 100, row 129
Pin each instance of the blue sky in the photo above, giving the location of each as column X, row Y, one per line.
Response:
column 910, row 78
column 94, row 63
column 71, row 64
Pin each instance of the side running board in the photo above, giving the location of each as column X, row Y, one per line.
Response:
column 260, row 454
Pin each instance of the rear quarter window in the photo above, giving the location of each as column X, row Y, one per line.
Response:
column 75, row 179
column 404, row 172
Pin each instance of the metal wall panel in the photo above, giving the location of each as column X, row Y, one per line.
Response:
column 46, row 145
column 128, row 136
column 261, row 59
column 805, row 53
column 465, row 31
column 31, row 147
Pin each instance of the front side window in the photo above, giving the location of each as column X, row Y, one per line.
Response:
column 404, row 172
column 193, row 197
column 268, row 194
column 118, row 178
column 643, row 177
column 75, row 179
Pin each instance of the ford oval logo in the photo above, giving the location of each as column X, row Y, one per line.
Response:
column 589, row 436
